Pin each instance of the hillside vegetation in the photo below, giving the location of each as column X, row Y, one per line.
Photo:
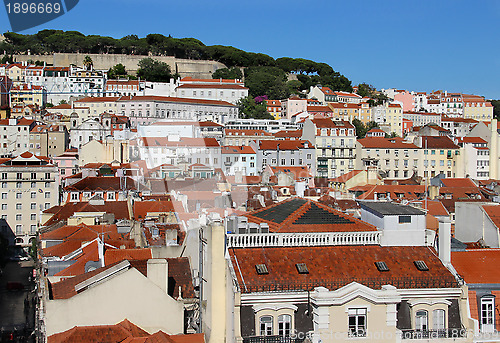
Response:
column 263, row 74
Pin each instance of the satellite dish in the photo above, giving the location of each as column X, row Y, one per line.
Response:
column 404, row 202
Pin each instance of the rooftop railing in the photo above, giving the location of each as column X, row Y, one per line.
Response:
column 303, row 239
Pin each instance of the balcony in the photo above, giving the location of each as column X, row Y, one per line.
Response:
column 433, row 334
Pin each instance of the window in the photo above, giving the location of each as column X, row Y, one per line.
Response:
column 33, row 216
column 19, row 217
column 421, row 321
column 4, row 206
column 19, row 206
column 4, row 195
column 266, row 326
column 33, row 206
column 19, row 195
column 19, row 184
column 357, row 322
column 487, row 307
column 284, row 325
column 19, row 176
column 47, row 195
column 438, row 320
column 404, row 219
column 19, row 229
column 33, row 195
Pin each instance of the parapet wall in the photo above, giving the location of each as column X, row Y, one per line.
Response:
column 193, row 68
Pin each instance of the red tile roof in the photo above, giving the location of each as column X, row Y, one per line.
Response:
column 335, row 266
column 117, row 255
column 179, row 271
column 493, row 212
column 286, row 144
column 118, row 208
column 438, row 142
column 476, row 265
column 233, row 149
column 302, row 215
column 408, row 192
column 102, row 183
column 123, row 332
column 386, row 143
column 330, row 123
column 142, row 208
column 288, row 134
column 102, row 333
column 458, row 182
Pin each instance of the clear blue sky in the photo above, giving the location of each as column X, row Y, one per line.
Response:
column 416, row 45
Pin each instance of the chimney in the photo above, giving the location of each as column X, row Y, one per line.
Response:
column 444, row 247
column 158, row 272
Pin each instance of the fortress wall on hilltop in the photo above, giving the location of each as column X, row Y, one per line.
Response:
column 193, row 68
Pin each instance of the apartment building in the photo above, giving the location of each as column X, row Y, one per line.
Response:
column 335, row 143
column 28, row 187
column 393, row 157
column 282, row 153
column 15, row 136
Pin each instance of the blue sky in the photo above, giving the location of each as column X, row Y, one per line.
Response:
column 416, row 45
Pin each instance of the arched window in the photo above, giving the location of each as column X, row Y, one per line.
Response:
column 421, row 321
column 284, row 325
column 266, row 326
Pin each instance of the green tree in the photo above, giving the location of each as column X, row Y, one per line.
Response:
column 366, row 90
column 153, row 70
column 226, row 73
column 117, row 71
column 496, row 108
column 248, row 108
column 87, row 62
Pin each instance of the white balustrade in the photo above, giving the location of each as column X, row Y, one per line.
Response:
column 302, row 239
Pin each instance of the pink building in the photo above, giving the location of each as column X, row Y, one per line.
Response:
column 406, row 98
column 67, row 163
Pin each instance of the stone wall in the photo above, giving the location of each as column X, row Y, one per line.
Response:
column 193, row 68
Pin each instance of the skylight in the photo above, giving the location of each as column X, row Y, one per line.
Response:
column 302, row 268
column 382, row 266
column 421, row 265
column 261, row 269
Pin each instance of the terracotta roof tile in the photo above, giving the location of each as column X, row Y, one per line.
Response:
column 335, row 266
column 475, row 266
column 304, row 215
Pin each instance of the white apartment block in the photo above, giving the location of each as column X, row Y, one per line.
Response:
column 63, row 82
column 177, row 151
column 146, row 110
column 15, row 136
column 285, row 153
column 262, row 124
column 335, row 143
column 423, row 118
column 242, row 159
column 28, row 187
column 393, row 157
column 230, row 92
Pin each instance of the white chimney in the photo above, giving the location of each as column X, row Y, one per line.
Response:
column 158, row 272
column 445, row 241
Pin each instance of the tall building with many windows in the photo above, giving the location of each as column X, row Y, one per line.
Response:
column 28, row 186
